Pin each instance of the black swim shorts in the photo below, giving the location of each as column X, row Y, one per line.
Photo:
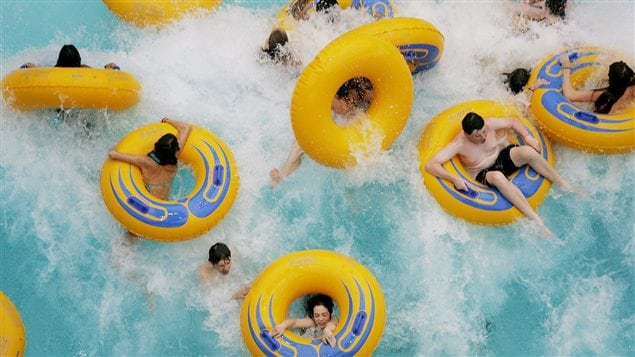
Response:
column 503, row 164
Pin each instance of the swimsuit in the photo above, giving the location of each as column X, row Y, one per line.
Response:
column 503, row 164
column 150, row 186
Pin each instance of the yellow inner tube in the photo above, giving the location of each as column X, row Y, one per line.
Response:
column 481, row 204
column 353, row 288
column 567, row 122
column 12, row 334
column 55, row 87
column 153, row 13
column 141, row 213
column 345, row 58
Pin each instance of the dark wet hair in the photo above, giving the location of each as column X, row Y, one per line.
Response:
column 621, row 76
column 557, row 7
column 217, row 252
column 165, row 150
column 517, row 79
column 471, row 122
column 357, row 84
column 69, row 57
column 277, row 39
column 319, row 300
column 324, row 5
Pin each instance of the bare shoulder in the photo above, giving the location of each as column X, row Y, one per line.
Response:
column 500, row 123
column 205, row 273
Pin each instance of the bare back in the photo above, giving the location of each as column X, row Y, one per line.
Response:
column 158, row 178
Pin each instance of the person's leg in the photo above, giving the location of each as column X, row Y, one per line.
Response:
column 511, row 193
column 526, row 155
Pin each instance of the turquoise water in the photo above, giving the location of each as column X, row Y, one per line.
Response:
column 451, row 287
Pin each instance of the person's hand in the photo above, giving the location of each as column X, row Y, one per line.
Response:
column 564, row 60
column 112, row 65
column 459, row 184
column 164, row 119
column 328, row 337
column 531, row 141
column 242, row 292
column 276, row 177
column 278, row 330
column 112, row 152
column 538, row 83
column 27, row 65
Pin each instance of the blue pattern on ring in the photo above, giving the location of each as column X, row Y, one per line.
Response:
column 560, row 107
column 148, row 210
column 490, row 198
column 422, row 56
column 354, row 337
column 376, row 8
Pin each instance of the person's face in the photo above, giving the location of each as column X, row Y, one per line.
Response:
column 321, row 316
column 223, row 266
column 478, row 136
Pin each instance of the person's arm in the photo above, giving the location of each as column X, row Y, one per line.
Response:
column 137, row 160
column 184, row 130
column 520, row 129
column 293, row 162
column 571, row 93
column 435, row 164
column 304, row 322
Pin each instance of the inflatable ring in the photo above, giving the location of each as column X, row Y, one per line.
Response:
column 353, row 288
column 12, row 334
column 376, row 8
column 141, row 213
column 316, row 131
column 153, row 13
column 480, row 204
column 420, row 42
column 567, row 123
column 55, row 87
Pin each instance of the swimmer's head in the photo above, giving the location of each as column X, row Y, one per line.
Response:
column 320, row 307
column 221, row 258
column 275, row 43
column 557, row 7
column 165, row 149
column 325, row 5
column 472, row 122
column 620, row 75
column 69, row 57
column 517, row 79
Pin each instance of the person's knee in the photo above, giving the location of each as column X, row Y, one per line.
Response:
column 496, row 178
column 521, row 155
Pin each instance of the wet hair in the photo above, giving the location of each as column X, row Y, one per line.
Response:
column 324, row 5
column 69, row 57
column 319, row 300
column 165, row 150
column 277, row 39
column 471, row 122
column 621, row 76
column 557, row 7
column 517, row 79
column 217, row 252
column 357, row 84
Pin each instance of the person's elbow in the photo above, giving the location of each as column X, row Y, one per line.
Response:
column 432, row 167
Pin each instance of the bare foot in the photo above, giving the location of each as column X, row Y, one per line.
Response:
column 567, row 187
